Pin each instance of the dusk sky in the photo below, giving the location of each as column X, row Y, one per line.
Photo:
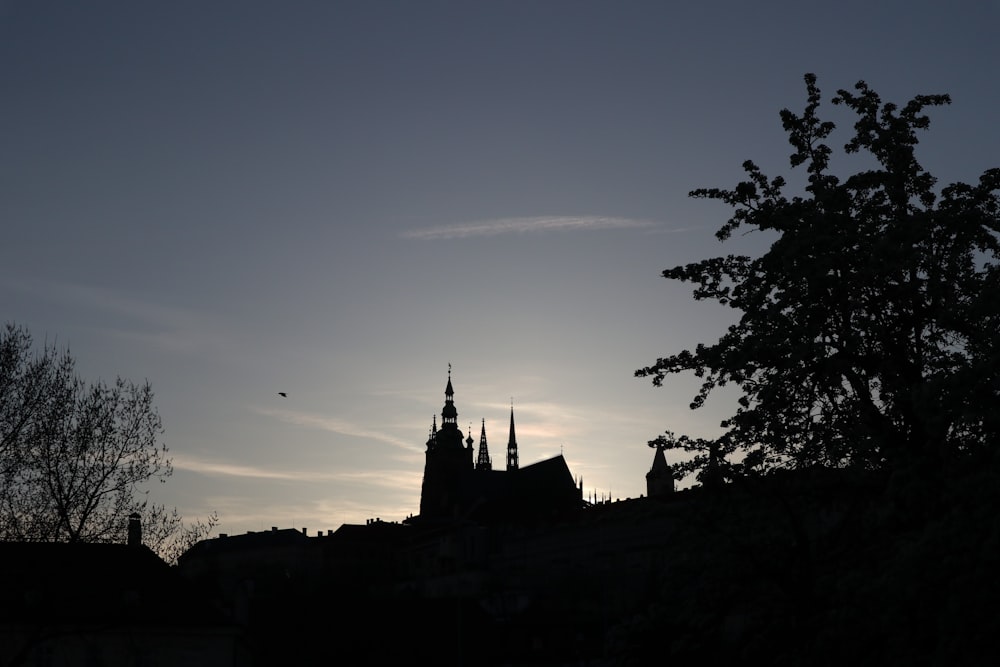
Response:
column 337, row 200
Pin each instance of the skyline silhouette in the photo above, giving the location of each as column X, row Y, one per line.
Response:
column 336, row 200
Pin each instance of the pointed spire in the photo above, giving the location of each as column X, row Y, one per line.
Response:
column 660, row 464
column 483, row 462
column 512, row 442
column 660, row 478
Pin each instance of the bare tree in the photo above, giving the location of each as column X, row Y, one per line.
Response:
column 77, row 458
column 30, row 384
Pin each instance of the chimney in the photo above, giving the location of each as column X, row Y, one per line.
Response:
column 134, row 530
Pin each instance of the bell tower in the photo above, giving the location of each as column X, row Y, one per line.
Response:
column 447, row 460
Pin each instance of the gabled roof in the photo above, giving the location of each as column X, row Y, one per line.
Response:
column 537, row 490
column 550, row 473
column 546, row 485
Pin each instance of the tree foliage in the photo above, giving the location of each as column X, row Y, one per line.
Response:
column 867, row 334
column 76, row 458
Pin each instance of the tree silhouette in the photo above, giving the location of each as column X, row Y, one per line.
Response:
column 868, row 329
column 76, row 458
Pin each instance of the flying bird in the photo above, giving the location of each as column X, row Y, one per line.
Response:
column 282, row 394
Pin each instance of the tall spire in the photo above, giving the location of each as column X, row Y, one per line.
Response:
column 512, row 442
column 483, row 462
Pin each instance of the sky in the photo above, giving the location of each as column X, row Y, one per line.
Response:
column 338, row 200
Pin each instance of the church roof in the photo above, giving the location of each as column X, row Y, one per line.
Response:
column 544, row 477
column 540, row 489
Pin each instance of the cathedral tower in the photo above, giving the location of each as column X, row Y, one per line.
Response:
column 447, row 461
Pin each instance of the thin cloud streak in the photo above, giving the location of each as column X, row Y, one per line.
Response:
column 523, row 226
column 222, row 469
column 333, row 425
column 388, row 478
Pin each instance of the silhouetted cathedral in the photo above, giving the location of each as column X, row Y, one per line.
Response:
column 458, row 485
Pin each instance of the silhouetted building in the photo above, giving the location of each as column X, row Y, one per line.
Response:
column 659, row 479
column 107, row 604
column 453, row 488
column 510, row 568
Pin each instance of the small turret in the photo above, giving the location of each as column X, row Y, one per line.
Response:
column 660, row 478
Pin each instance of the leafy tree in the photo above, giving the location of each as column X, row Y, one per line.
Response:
column 867, row 334
column 76, row 458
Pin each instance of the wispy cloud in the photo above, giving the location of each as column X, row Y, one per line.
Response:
column 381, row 478
column 524, row 226
column 333, row 425
column 224, row 469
